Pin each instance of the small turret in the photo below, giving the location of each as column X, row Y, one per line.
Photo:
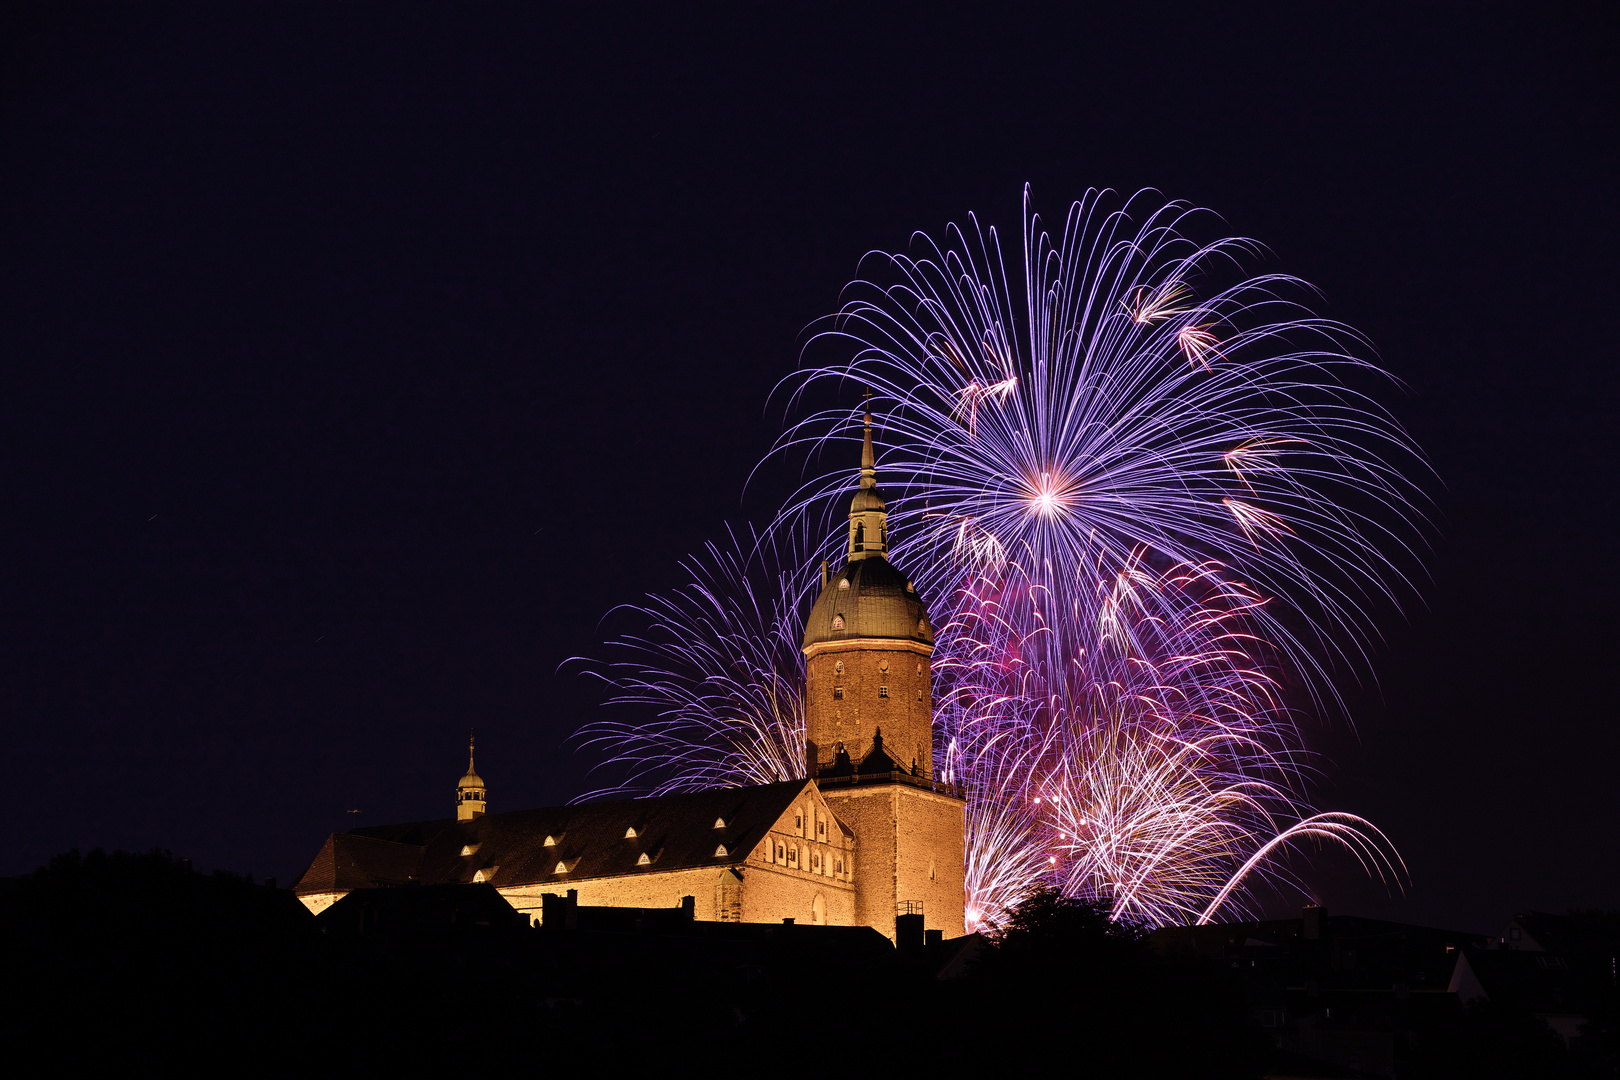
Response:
column 470, row 792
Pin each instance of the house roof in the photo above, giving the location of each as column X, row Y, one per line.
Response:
column 591, row 840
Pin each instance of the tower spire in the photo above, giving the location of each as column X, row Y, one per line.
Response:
column 868, row 520
column 868, row 459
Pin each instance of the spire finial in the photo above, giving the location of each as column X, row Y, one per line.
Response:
column 868, row 459
column 470, row 753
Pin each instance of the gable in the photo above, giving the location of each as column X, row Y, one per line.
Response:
column 809, row 816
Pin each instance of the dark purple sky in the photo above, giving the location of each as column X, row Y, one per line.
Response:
column 358, row 358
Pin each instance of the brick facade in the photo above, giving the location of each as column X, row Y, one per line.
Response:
column 856, row 687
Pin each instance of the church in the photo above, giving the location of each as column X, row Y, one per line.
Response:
column 867, row 836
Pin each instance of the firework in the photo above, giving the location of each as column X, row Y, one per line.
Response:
column 1134, row 491
column 714, row 675
column 1152, row 772
column 1139, row 392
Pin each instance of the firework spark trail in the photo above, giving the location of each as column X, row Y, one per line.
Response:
column 717, row 664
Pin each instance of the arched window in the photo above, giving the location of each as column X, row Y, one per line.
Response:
column 843, row 584
column 818, row 910
column 838, row 622
column 838, row 668
column 860, row 536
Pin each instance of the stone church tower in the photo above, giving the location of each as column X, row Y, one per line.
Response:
column 870, row 726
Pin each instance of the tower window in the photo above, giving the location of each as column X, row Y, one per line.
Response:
column 883, row 691
column 843, row 583
column 838, row 668
column 838, row 693
column 838, row 622
column 919, row 695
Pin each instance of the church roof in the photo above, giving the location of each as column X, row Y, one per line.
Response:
column 591, row 840
column 868, row 598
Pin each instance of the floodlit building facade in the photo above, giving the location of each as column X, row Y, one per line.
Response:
column 869, row 835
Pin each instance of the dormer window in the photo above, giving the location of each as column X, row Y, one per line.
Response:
column 486, row 874
column 719, row 822
column 468, row 849
column 631, row 833
column 720, row 851
column 563, row 866
column 644, row 860
column 838, row 622
column 843, row 584
column 551, row 841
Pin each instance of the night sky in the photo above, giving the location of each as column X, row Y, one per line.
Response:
column 359, row 358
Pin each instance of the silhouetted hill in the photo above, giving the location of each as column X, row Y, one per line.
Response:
column 134, row 962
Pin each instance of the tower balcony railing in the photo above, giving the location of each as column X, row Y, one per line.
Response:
column 830, row 776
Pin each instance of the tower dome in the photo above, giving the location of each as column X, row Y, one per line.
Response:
column 470, row 792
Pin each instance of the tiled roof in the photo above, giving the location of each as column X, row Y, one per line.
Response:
column 355, row 861
column 674, row 832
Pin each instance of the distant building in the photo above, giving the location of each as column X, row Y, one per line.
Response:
column 1343, row 991
column 1552, row 966
column 868, row 837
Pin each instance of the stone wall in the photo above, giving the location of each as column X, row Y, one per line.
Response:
column 909, row 847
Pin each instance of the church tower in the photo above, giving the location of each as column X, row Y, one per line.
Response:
column 470, row 793
column 869, row 738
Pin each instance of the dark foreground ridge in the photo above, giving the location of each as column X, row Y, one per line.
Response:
column 134, row 961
